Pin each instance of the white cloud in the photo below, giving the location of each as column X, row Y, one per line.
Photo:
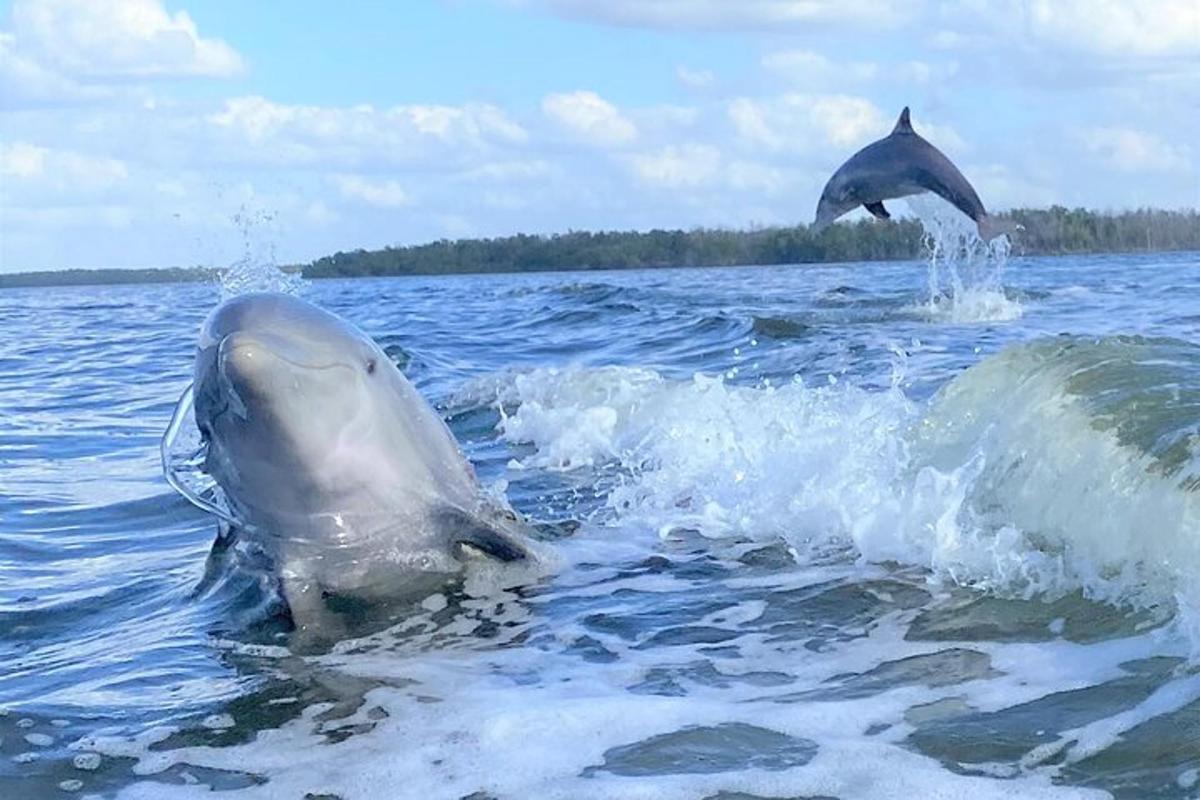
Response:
column 259, row 119
column 695, row 78
column 813, row 71
column 320, row 214
column 810, row 68
column 798, row 122
column 694, row 165
column 381, row 194
column 116, row 39
column 23, row 81
column 944, row 137
column 1135, row 151
column 846, row 120
column 677, row 167
column 69, row 218
column 792, row 122
column 31, row 169
column 1114, row 27
column 734, row 14
column 752, row 176
column 922, row 73
column 1117, row 27
column 509, row 171
column 665, row 121
column 505, row 201
column 948, row 40
column 1042, row 45
column 590, row 117
column 1003, row 186
column 363, row 135
column 21, row 160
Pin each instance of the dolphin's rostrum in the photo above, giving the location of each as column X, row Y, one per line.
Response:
column 899, row 165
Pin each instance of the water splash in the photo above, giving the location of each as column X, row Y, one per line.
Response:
column 183, row 452
column 965, row 272
column 257, row 270
column 970, row 487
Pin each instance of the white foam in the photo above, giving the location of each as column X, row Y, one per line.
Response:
column 987, row 498
column 528, row 722
column 88, row 762
column 813, row 466
column 969, row 305
column 217, row 722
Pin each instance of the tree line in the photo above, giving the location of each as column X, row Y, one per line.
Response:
column 104, row 277
column 1053, row 231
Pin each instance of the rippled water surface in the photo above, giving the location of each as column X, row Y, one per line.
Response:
column 815, row 535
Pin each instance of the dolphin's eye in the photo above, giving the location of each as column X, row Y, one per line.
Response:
column 371, row 366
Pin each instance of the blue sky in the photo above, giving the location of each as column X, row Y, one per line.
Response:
column 144, row 132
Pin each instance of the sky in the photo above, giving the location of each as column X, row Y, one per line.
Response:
column 139, row 133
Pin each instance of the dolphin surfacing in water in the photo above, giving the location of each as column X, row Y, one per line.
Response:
column 330, row 460
column 901, row 164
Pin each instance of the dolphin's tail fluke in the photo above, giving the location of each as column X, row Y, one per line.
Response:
column 990, row 227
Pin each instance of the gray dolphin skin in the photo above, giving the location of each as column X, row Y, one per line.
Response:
column 331, row 461
column 899, row 165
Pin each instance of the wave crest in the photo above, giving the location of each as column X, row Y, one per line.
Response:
column 1031, row 474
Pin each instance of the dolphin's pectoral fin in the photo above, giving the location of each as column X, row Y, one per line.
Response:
column 877, row 210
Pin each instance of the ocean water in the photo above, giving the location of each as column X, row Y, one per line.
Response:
column 852, row 531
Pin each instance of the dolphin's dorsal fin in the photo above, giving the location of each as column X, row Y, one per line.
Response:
column 904, row 124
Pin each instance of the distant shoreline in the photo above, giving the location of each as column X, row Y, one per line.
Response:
column 1047, row 232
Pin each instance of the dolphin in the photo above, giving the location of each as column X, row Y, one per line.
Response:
column 898, row 165
column 331, row 462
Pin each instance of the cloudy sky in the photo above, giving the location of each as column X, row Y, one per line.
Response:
column 152, row 132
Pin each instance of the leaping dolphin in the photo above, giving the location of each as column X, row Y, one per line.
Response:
column 899, row 165
column 330, row 459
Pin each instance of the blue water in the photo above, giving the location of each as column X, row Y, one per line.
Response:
column 803, row 550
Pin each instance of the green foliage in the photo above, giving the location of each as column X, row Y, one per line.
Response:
column 1051, row 231
column 100, row 277
column 1059, row 230
column 1056, row 230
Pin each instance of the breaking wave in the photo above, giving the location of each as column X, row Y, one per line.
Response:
column 1065, row 465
